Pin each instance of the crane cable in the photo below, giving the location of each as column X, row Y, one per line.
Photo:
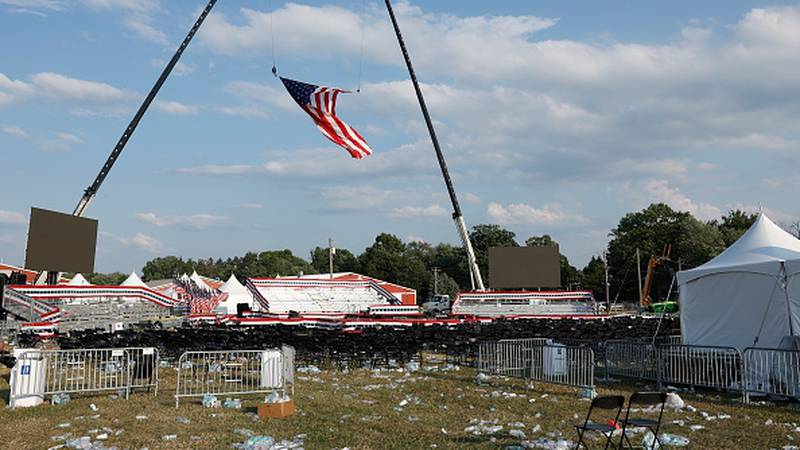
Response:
column 272, row 39
column 361, row 55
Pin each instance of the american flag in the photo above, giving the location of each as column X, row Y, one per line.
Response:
column 320, row 103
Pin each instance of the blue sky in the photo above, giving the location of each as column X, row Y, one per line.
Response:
column 555, row 117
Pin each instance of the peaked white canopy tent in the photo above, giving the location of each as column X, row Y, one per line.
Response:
column 133, row 280
column 198, row 280
column 747, row 296
column 237, row 293
column 78, row 280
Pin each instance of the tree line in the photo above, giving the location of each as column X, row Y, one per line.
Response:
column 411, row 263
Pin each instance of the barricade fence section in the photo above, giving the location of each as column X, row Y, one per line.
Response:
column 538, row 359
column 702, row 366
column 234, row 372
column 769, row 371
column 144, row 365
column 632, row 359
column 39, row 373
column 559, row 364
column 509, row 358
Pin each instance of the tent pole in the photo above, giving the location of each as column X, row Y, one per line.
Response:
column 788, row 302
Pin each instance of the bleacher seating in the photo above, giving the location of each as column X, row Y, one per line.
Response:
column 499, row 304
column 281, row 296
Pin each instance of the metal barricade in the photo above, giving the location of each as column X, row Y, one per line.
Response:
column 559, row 364
column 39, row 373
column 509, row 357
column 143, row 368
column 231, row 372
column 632, row 359
column 703, row 366
column 771, row 371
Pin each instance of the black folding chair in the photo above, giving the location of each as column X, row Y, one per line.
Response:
column 643, row 399
column 608, row 402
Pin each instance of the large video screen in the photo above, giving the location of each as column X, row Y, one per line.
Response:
column 60, row 242
column 524, row 267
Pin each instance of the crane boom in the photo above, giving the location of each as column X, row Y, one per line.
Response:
column 652, row 264
column 458, row 218
column 91, row 191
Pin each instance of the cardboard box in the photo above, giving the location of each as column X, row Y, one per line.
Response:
column 276, row 410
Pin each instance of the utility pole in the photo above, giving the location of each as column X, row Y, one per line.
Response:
column 608, row 293
column 639, row 273
column 435, row 281
column 331, row 252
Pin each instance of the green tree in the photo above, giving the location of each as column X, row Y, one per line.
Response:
column 343, row 260
column 388, row 258
column 446, row 286
column 486, row 236
column 452, row 260
column 594, row 278
column 165, row 267
column 693, row 243
column 734, row 224
column 281, row 262
column 106, row 279
column 570, row 276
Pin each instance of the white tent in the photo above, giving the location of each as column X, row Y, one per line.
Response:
column 237, row 293
column 198, row 280
column 747, row 295
column 133, row 280
column 78, row 280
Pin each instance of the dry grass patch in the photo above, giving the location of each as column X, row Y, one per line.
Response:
column 362, row 410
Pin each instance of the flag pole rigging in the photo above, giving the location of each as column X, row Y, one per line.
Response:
column 91, row 191
column 458, row 217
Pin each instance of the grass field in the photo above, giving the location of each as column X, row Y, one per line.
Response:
column 361, row 410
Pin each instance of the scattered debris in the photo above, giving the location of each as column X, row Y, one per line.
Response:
column 244, row 432
column 232, row 403
column 169, row 437
column 59, row 399
column 519, row 434
column 211, row 401
column 587, row 393
column 674, row 401
column 183, row 420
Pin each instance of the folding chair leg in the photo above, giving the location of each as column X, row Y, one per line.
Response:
column 580, row 440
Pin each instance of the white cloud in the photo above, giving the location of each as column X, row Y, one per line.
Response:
column 177, row 108
column 309, row 25
column 142, row 27
column 660, row 191
column 60, row 142
column 141, row 6
column 64, row 87
column 15, row 131
column 180, row 69
column 13, row 90
column 413, row 238
column 12, row 218
column 144, row 242
column 523, row 214
column 469, row 197
column 771, row 26
column 419, row 211
column 250, row 112
column 193, row 221
column 53, row 5
column 261, row 94
column 251, row 206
